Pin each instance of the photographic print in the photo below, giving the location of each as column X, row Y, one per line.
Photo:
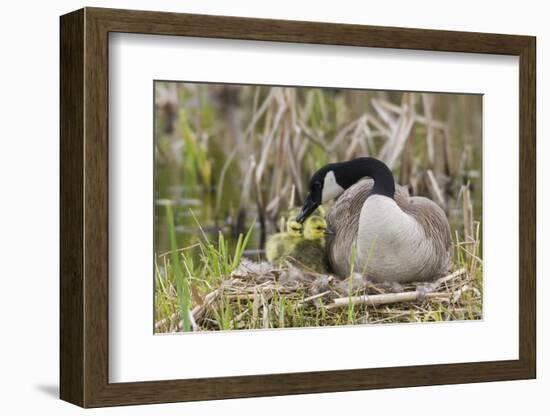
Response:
column 288, row 207
column 276, row 210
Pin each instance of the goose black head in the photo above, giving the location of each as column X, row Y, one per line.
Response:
column 323, row 186
column 333, row 179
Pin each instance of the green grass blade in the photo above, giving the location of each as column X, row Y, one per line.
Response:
column 181, row 283
column 241, row 246
column 350, row 285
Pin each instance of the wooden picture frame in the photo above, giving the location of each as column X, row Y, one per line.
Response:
column 84, row 207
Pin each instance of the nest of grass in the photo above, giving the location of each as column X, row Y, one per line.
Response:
column 261, row 296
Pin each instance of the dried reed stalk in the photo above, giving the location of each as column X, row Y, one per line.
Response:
column 386, row 298
column 468, row 213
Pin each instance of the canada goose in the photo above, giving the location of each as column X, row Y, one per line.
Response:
column 309, row 253
column 280, row 245
column 403, row 238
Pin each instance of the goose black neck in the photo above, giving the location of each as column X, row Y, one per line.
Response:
column 356, row 169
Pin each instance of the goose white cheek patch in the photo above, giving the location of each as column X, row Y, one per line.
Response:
column 331, row 189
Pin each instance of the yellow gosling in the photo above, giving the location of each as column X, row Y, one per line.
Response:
column 309, row 253
column 280, row 245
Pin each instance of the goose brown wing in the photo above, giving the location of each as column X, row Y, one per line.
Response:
column 436, row 228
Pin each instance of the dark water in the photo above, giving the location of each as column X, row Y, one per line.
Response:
column 198, row 205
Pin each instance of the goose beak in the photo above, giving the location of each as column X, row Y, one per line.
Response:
column 307, row 209
column 329, row 232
